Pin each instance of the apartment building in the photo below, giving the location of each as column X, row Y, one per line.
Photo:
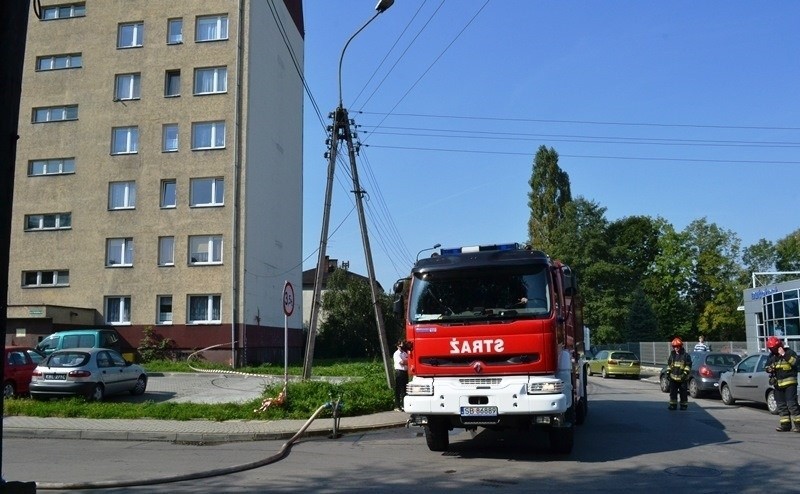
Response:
column 158, row 179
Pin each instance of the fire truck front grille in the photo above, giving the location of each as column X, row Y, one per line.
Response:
column 480, row 381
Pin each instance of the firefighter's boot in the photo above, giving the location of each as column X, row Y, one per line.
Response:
column 684, row 405
column 785, row 425
column 672, row 406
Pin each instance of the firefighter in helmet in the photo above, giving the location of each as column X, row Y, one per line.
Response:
column 782, row 368
column 679, row 364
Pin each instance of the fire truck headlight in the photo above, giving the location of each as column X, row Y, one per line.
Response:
column 545, row 388
column 417, row 389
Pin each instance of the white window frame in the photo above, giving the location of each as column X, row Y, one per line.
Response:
column 166, row 251
column 136, row 35
column 55, row 166
column 208, row 135
column 128, row 86
column 169, row 138
column 212, row 188
column 125, row 140
column 207, row 306
column 122, row 309
column 59, row 62
column 55, row 114
column 211, row 28
column 57, row 278
column 210, row 80
column 163, row 317
column 174, row 38
column 169, row 76
column 125, row 192
column 169, row 194
column 68, row 11
column 50, row 221
column 205, row 250
column 119, row 252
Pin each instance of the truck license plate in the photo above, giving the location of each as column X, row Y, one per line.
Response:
column 480, row 411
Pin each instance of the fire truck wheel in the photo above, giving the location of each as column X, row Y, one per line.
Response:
column 436, row 435
column 561, row 440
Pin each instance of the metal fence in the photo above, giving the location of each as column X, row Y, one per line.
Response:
column 656, row 352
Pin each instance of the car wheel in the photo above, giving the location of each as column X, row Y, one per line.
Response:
column 96, row 394
column 693, row 391
column 589, row 370
column 141, row 385
column 664, row 383
column 772, row 405
column 725, row 394
column 8, row 390
column 604, row 373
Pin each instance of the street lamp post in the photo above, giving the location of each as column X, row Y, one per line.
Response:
column 340, row 130
column 436, row 246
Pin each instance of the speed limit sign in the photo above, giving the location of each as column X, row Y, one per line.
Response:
column 288, row 299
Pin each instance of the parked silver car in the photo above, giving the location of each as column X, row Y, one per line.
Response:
column 748, row 381
column 89, row 372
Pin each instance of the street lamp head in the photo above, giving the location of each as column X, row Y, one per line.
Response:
column 383, row 5
column 436, row 246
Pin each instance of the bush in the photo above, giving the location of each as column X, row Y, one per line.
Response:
column 153, row 346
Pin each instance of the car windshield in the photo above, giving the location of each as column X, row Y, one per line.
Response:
column 477, row 294
column 67, row 359
column 623, row 356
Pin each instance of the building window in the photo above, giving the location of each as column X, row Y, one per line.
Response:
column 166, row 251
column 38, row 279
column 128, row 86
column 125, row 140
column 58, row 166
column 121, row 195
column 130, row 35
column 64, row 11
column 57, row 62
column 164, row 303
column 169, row 138
column 208, row 135
column 211, row 80
column 55, row 113
column 118, row 310
column 169, row 193
column 207, row 192
column 174, row 31
column 54, row 221
column 204, row 309
column 119, row 252
column 172, row 83
column 211, row 28
column 205, row 249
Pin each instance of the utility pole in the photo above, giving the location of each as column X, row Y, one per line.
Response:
column 341, row 130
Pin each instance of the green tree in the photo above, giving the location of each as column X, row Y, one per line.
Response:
column 758, row 258
column 550, row 192
column 642, row 324
column 787, row 252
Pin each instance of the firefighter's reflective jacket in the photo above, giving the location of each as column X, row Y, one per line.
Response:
column 679, row 365
column 784, row 368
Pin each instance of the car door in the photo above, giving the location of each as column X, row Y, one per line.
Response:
column 760, row 381
column 128, row 374
column 598, row 361
column 110, row 374
column 742, row 385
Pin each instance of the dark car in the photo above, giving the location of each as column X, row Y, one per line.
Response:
column 707, row 367
column 17, row 370
column 749, row 381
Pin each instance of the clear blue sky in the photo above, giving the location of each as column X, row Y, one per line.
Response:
column 676, row 109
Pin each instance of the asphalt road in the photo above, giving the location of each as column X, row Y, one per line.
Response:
column 630, row 443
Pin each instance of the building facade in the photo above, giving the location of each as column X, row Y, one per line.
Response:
column 772, row 310
column 158, row 180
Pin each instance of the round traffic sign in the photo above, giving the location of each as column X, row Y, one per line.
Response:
column 288, row 299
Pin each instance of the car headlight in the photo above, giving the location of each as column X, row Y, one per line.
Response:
column 418, row 389
column 545, row 388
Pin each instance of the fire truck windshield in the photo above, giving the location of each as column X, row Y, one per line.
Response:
column 479, row 294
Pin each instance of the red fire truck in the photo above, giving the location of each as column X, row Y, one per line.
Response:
column 497, row 342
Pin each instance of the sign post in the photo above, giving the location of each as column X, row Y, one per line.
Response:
column 288, row 309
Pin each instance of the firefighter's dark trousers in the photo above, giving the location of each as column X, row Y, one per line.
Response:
column 789, row 411
column 678, row 388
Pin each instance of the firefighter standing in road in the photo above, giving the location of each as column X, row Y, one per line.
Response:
column 679, row 364
column 782, row 367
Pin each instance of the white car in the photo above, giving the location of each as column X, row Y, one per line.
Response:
column 89, row 372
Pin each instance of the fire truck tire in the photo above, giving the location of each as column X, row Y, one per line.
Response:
column 436, row 435
column 561, row 440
